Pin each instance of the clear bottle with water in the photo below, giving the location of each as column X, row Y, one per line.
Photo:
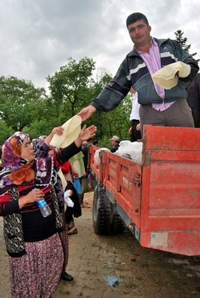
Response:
column 44, row 207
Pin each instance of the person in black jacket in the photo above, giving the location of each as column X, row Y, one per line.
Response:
column 193, row 99
column 115, row 140
column 74, row 211
column 84, row 149
column 134, row 130
column 159, row 106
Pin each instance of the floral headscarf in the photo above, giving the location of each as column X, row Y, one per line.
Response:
column 11, row 154
column 18, row 171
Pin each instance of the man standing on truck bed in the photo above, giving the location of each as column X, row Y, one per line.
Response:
column 159, row 106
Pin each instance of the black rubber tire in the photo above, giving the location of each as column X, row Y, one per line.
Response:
column 102, row 216
column 117, row 225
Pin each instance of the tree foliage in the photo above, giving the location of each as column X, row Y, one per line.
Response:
column 20, row 102
column 70, row 86
column 26, row 108
column 183, row 41
column 5, row 131
column 73, row 87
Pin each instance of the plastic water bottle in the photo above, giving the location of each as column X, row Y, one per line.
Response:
column 44, row 207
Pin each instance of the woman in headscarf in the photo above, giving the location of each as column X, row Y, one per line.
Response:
column 44, row 149
column 32, row 241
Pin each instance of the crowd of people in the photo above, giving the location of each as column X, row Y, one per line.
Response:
column 31, row 171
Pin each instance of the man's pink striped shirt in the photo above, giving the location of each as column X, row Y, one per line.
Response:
column 153, row 63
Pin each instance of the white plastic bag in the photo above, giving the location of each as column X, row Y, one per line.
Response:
column 97, row 159
column 123, row 144
column 67, row 199
column 132, row 150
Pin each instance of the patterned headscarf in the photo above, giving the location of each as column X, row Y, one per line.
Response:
column 16, row 169
column 11, row 154
column 38, row 143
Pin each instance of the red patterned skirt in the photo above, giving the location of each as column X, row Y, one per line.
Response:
column 37, row 273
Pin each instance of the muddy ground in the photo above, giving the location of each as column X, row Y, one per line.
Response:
column 117, row 266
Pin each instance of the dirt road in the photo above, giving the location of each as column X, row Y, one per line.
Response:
column 117, row 266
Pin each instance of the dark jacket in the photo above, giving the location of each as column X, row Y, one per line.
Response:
column 76, row 210
column 134, row 72
column 115, row 148
column 193, row 99
column 136, row 135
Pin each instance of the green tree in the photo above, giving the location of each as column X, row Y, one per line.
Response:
column 70, row 87
column 5, row 131
column 99, row 119
column 20, row 102
column 183, row 42
column 115, row 122
column 24, row 107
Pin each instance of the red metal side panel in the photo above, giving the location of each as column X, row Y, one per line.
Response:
column 162, row 195
column 123, row 181
column 171, row 138
column 170, row 209
column 174, row 188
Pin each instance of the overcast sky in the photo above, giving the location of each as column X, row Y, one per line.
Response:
column 37, row 36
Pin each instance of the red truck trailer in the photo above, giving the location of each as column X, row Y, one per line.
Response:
column 157, row 199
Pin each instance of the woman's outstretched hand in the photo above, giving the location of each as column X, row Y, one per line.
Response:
column 85, row 134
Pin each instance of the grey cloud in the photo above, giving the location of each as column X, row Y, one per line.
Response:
column 38, row 36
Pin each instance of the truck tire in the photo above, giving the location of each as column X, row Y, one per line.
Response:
column 101, row 212
column 117, row 226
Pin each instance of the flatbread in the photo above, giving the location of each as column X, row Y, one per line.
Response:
column 72, row 129
column 167, row 77
column 165, row 83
